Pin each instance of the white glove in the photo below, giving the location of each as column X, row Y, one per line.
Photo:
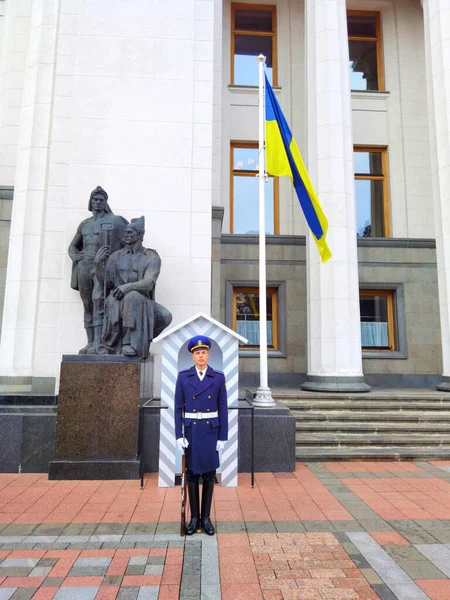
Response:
column 182, row 443
column 220, row 445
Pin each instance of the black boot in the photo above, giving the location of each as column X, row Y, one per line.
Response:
column 194, row 523
column 207, row 494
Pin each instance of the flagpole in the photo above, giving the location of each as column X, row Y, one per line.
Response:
column 263, row 396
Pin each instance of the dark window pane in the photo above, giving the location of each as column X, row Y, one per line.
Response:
column 246, row 50
column 245, row 159
column 362, row 26
column 253, row 20
column 368, row 163
column 374, row 321
column 369, row 208
column 363, row 65
column 247, row 317
column 246, row 205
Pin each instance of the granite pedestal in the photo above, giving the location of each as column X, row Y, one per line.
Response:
column 98, row 417
column 274, row 439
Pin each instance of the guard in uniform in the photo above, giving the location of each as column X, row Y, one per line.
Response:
column 201, row 397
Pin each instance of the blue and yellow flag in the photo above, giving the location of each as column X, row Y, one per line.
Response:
column 283, row 158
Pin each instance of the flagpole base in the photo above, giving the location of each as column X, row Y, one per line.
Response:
column 264, row 398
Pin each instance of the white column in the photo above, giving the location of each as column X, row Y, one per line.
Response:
column 334, row 337
column 437, row 54
column 26, row 242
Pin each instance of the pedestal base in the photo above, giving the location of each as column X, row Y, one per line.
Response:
column 316, row 383
column 94, row 469
column 274, row 439
column 444, row 386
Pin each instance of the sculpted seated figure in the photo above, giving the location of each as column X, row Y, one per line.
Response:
column 132, row 316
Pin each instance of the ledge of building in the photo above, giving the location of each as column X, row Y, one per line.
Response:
column 300, row 240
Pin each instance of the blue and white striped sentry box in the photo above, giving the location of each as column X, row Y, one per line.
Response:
column 175, row 357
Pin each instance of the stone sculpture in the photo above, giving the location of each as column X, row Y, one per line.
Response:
column 102, row 229
column 132, row 316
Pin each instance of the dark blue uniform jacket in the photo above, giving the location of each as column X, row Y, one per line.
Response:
column 209, row 395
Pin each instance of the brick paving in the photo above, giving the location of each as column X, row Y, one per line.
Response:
column 331, row 530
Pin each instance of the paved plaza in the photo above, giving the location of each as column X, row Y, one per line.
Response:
column 353, row 530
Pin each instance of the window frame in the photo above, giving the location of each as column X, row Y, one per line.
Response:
column 384, row 178
column 272, row 34
column 377, row 39
column 392, row 328
column 246, row 173
column 274, row 347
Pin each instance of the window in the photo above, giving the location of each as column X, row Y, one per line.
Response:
column 371, row 194
column 246, row 315
column 253, row 32
column 364, row 45
column 244, row 205
column 377, row 319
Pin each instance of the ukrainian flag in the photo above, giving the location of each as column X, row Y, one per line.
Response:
column 283, row 158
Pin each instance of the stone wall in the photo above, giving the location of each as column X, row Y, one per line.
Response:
column 6, row 195
column 408, row 266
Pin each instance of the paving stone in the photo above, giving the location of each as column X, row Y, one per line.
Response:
column 6, row 593
column 417, row 536
column 128, row 593
column 148, row 593
column 437, row 529
column 76, row 593
column 420, row 569
column 87, row 571
column 111, row 529
column 260, row 527
column 154, row 570
column 150, row 560
column 40, row 539
column 15, row 571
column 17, row 546
column 118, row 546
column 142, row 560
column 318, row 526
column 395, row 578
column 53, row 582
column 85, row 546
column 230, row 527
column 93, row 561
column 403, row 553
column 140, row 528
column 376, row 525
column 11, row 539
column 80, row 529
column 20, row 562
column 438, row 554
column 210, row 592
column 50, row 529
column 360, row 561
column 55, row 546
column 167, row 528
column 40, row 571
column 347, row 526
column 73, row 539
column 47, row 562
column 106, row 538
column 23, row 594
column 371, row 576
column 174, row 544
column 135, row 570
column 383, row 592
column 109, row 580
column 18, row 530
column 289, row 526
column 136, row 537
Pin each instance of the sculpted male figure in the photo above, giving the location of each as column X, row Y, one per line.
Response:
column 103, row 228
column 132, row 317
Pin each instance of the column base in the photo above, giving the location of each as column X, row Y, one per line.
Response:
column 316, row 383
column 444, row 386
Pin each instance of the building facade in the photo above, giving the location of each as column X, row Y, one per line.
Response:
column 157, row 102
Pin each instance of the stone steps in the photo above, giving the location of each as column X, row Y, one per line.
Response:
column 377, row 427
column 385, row 424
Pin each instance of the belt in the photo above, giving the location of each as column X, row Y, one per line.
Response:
column 201, row 415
